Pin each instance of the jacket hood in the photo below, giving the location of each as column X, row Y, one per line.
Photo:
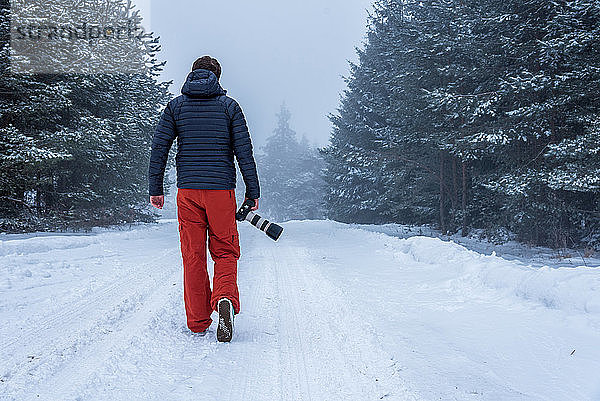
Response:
column 202, row 83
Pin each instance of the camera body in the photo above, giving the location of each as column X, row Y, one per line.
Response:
column 272, row 230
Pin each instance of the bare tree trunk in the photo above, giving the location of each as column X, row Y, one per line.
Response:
column 453, row 197
column 464, row 199
column 454, row 184
column 442, row 211
column 38, row 192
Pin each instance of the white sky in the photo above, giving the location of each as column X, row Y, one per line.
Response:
column 270, row 50
column 145, row 8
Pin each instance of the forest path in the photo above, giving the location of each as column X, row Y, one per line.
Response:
column 329, row 312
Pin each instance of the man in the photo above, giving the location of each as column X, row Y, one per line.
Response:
column 210, row 129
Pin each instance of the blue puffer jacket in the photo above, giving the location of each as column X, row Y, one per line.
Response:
column 210, row 129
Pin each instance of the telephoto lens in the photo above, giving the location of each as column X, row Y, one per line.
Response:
column 272, row 230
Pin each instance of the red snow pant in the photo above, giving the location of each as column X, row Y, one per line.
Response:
column 200, row 211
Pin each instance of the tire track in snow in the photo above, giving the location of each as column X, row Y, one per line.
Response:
column 71, row 378
column 78, row 308
column 328, row 348
column 57, row 339
column 251, row 330
column 294, row 380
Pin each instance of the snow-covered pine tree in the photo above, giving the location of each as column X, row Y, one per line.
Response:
column 379, row 167
column 547, row 94
column 445, row 53
column 98, row 126
column 106, row 179
column 290, row 174
column 464, row 108
column 20, row 161
column 30, row 111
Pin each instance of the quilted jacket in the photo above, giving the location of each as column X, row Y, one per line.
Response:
column 211, row 129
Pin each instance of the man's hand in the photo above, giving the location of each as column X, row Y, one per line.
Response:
column 157, row 201
column 255, row 204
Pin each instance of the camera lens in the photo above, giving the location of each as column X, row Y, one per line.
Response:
column 274, row 231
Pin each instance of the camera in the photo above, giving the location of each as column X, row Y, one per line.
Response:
column 272, row 230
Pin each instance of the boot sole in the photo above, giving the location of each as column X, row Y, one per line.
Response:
column 225, row 327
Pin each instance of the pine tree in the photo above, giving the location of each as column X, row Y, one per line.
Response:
column 547, row 97
column 93, row 129
column 290, row 174
column 378, row 169
column 30, row 110
column 472, row 113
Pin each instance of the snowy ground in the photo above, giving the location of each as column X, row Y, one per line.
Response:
column 331, row 312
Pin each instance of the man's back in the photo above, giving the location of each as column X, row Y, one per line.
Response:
column 211, row 129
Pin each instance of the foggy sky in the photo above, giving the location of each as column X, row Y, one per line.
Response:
column 270, row 51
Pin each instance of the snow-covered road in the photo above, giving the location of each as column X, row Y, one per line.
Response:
column 330, row 312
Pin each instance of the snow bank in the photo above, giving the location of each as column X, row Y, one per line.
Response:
column 574, row 289
column 476, row 241
column 22, row 244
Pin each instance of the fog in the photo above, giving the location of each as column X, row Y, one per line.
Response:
column 270, row 51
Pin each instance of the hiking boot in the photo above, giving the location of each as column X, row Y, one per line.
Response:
column 225, row 327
